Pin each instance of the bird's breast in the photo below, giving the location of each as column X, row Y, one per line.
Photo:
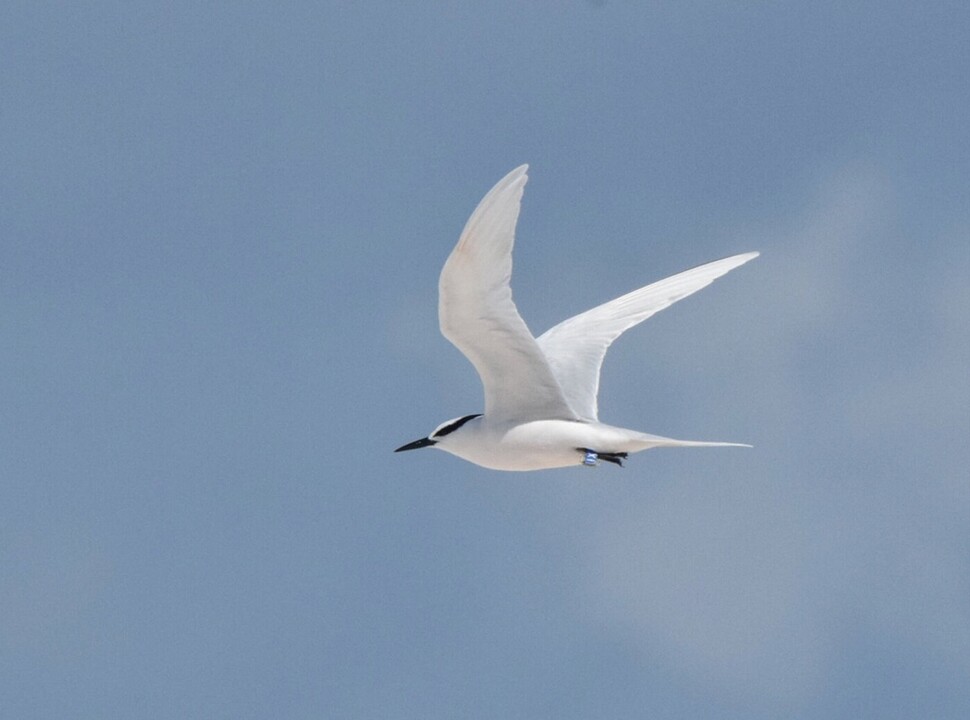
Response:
column 537, row 445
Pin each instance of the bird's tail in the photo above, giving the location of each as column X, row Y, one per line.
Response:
column 645, row 441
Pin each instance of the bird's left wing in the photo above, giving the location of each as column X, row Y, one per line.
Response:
column 477, row 314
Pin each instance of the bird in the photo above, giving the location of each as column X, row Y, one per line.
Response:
column 541, row 407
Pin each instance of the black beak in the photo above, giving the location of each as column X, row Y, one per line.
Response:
column 423, row 442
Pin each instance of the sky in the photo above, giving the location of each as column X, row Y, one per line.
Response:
column 221, row 227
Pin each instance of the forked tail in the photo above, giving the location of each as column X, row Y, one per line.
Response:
column 647, row 441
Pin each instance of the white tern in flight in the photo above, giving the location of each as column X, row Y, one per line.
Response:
column 540, row 393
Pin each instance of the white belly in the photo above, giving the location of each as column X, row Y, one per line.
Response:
column 539, row 445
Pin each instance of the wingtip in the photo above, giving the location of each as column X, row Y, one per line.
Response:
column 514, row 180
column 522, row 171
column 730, row 262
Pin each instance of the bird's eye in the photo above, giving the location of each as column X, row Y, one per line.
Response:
column 450, row 427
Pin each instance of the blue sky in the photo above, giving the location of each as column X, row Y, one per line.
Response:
column 221, row 229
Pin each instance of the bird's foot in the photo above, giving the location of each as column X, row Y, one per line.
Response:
column 615, row 458
column 591, row 458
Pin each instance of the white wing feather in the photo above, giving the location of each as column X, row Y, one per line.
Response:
column 477, row 314
column 575, row 347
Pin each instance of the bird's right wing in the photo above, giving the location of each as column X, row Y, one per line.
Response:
column 575, row 347
column 477, row 315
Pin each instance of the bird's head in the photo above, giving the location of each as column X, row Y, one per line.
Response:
column 440, row 433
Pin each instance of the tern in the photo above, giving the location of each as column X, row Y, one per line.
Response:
column 540, row 393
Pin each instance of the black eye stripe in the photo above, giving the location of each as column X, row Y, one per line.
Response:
column 450, row 428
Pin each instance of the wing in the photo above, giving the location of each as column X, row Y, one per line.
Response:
column 477, row 315
column 575, row 347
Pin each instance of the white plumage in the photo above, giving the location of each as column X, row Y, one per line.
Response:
column 540, row 394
